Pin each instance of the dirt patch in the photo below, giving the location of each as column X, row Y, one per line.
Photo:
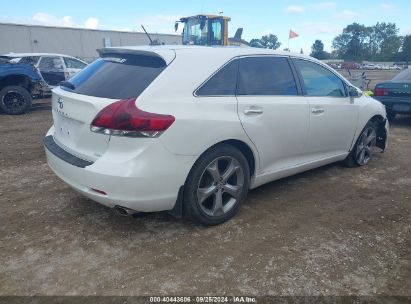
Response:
column 330, row 231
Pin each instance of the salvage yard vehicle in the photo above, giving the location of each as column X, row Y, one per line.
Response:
column 395, row 94
column 210, row 30
column 18, row 84
column 192, row 129
column 54, row 68
column 24, row 76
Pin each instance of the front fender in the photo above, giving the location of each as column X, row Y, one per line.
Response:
column 372, row 109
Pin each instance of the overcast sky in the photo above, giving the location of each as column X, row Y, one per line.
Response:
column 310, row 19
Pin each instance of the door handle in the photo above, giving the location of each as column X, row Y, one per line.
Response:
column 253, row 110
column 317, row 110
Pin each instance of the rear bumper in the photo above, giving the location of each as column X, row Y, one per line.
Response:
column 389, row 103
column 148, row 182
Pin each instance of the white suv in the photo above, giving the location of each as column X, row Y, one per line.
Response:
column 192, row 129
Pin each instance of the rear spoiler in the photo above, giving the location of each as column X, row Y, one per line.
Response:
column 167, row 55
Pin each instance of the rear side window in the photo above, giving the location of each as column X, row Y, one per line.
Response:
column 266, row 76
column 51, row 64
column 319, row 81
column 222, row 83
column 117, row 76
column 73, row 63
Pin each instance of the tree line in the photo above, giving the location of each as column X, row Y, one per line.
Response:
column 357, row 42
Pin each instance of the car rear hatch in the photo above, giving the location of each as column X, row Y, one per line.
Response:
column 118, row 74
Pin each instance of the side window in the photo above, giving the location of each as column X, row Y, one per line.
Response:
column 29, row 60
column 222, row 83
column 319, row 81
column 51, row 64
column 266, row 76
column 73, row 63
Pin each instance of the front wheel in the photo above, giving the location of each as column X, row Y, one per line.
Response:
column 363, row 150
column 15, row 100
column 216, row 185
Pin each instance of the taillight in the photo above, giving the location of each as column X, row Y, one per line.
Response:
column 123, row 118
column 380, row 92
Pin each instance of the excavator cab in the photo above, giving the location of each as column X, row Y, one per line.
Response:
column 204, row 30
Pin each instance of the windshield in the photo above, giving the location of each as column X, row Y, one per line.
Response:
column 200, row 31
column 404, row 76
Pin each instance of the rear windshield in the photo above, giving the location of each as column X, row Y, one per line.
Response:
column 403, row 76
column 117, row 76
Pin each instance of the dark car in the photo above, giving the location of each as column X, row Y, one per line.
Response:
column 395, row 94
column 19, row 83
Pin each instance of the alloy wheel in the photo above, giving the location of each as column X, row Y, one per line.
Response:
column 366, row 146
column 220, row 186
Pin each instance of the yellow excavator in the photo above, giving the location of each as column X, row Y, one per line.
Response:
column 209, row 30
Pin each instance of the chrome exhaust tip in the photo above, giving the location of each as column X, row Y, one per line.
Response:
column 123, row 211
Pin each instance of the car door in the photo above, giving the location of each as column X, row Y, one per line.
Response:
column 52, row 70
column 73, row 66
column 333, row 114
column 272, row 111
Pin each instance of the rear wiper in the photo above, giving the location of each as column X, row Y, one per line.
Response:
column 67, row 84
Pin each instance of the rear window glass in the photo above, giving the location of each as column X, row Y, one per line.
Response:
column 403, row 76
column 223, row 83
column 117, row 76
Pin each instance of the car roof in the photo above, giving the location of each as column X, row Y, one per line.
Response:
column 18, row 55
column 168, row 52
column 235, row 50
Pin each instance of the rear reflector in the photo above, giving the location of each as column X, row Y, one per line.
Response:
column 123, row 118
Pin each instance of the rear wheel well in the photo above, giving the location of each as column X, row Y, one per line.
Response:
column 16, row 80
column 246, row 150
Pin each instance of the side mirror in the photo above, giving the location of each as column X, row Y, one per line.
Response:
column 354, row 92
column 176, row 26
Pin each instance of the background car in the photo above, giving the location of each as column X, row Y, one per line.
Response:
column 54, row 68
column 395, row 94
column 27, row 76
column 192, row 129
column 19, row 83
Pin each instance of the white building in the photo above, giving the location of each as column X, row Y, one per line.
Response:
column 78, row 42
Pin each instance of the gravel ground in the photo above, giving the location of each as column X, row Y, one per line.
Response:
column 330, row 231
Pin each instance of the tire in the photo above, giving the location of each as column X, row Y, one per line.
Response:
column 212, row 195
column 391, row 115
column 362, row 151
column 15, row 100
